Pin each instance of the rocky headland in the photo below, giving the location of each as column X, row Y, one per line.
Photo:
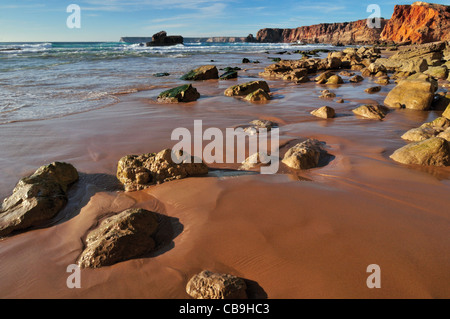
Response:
column 418, row 23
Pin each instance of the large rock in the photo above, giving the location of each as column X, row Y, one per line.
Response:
column 118, row 238
column 209, row 285
column 374, row 112
column 324, row 112
column 305, row 155
column 412, row 94
column 205, row 72
column 427, row 130
column 434, row 151
column 37, row 198
column 181, row 94
column 246, row 88
column 137, row 172
column 446, row 113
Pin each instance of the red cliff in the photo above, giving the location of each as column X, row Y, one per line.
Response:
column 343, row 33
column 419, row 23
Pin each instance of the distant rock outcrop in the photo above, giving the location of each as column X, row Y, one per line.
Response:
column 418, row 23
column 162, row 39
column 345, row 33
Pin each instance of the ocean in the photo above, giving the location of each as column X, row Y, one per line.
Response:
column 53, row 79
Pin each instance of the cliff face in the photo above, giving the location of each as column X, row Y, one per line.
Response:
column 419, row 23
column 356, row 32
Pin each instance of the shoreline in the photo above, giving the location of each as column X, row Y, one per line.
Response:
column 294, row 238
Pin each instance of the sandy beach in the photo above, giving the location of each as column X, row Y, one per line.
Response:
column 295, row 234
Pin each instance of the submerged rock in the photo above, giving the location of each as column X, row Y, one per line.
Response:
column 375, row 112
column 118, row 238
column 185, row 93
column 247, row 88
column 324, row 112
column 254, row 160
column 205, row 72
column 37, row 198
column 137, row 172
column 305, row 155
column 373, row 89
column 209, row 285
column 257, row 125
column 434, row 151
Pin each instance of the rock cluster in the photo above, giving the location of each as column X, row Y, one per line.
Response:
column 298, row 70
column 137, row 172
column 253, row 91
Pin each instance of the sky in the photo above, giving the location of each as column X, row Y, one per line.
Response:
column 108, row 20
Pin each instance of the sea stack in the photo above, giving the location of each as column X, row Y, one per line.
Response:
column 162, row 39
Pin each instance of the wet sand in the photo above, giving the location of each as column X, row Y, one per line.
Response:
column 308, row 234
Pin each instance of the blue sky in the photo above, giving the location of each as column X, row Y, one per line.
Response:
column 108, row 20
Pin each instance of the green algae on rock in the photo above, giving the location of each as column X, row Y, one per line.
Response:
column 184, row 93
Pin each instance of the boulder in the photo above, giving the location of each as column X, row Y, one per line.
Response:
column 37, row 198
column 438, row 72
column 246, row 88
column 356, row 79
column 205, row 72
column 324, row 112
column 427, row 130
column 383, row 81
column 305, row 155
column 323, row 77
column 258, row 96
column 210, row 285
column 335, row 79
column 124, row 236
column 181, row 94
column 327, row 94
column 434, row 151
column 137, row 172
column 232, row 74
column 412, row 94
column 373, row 89
column 375, row 112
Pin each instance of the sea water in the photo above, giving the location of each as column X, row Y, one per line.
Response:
column 46, row 80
